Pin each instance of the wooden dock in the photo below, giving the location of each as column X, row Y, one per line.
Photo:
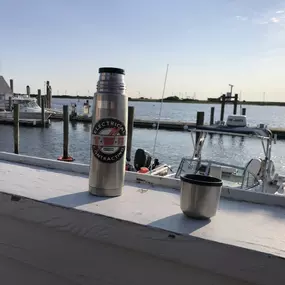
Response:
column 163, row 125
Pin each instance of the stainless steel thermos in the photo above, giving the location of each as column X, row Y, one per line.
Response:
column 109, row 134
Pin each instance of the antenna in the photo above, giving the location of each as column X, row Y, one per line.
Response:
column 159, row 116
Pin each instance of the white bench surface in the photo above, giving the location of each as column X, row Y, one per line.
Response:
column 242, row 224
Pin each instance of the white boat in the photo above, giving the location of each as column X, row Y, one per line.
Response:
column 257, row 175
column 236, row 124
column 29, row 110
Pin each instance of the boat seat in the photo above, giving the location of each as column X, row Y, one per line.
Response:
column 251, row 172
column 216, row 171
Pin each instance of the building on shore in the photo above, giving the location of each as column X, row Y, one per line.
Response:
column 5, row 93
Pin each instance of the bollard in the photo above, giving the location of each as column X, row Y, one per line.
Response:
column 16, row 128
column 43, row 110
column 131, row 116
column 235, row 104
column 65, row 156
column 223, row 107
column 39, row 97
column 108, row 137
column 212, row 116
column 199, row 122
column 243, row 111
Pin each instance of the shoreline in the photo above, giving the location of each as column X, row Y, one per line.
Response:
column 185, row 101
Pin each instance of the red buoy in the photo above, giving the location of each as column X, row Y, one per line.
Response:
column 143, row 170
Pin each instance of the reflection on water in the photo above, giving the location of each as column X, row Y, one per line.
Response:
column 86, row 127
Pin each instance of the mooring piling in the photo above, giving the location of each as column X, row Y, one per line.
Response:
column 131, row 117
column 28, row 89
column 243, row 111
column 48, row 95
column 65, row 156
column 12, row 85
column 16, row 128
column 39, row 97
column 212, row 116
column 47, row 91
column 199, row 122
column 10, row 103
column 235, row 104
column 43, row 110
column 65, row 131
column 223, row 103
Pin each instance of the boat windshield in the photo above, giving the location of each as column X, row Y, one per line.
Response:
column 27, row 103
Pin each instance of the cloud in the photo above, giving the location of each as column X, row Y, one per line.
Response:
column 280, row 12
column 241, row 18
column 274, row 20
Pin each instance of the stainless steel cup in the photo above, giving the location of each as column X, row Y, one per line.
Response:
column 109, row 134
column 200, row 195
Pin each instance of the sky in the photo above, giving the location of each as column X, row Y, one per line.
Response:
column 208, row 45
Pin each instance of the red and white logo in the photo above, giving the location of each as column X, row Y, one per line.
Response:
column 109, row 140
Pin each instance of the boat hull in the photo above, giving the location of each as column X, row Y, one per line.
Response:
column 24, row 116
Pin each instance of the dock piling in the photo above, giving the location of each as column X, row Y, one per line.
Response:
column 65, row 131
column 28, row 90
column 235, row 104
column 47, row 87
column 10, row 103
column 16, row 128
column 65, row 156
column 131, row 116
column 243, row 111
column 212, row 116
column 223, row 103
column 39, row 97
column 199, row 122
column 43, row 110
column 48, row 95
column 12, row 85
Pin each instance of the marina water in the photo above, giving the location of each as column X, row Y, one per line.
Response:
column 171, row 146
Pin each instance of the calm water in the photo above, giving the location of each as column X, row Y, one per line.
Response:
column 171, row 146
column 271, row 115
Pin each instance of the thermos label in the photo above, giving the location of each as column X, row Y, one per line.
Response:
column 109, row 140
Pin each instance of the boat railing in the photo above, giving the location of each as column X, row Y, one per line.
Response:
column 256, row 135
column 193, row 165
